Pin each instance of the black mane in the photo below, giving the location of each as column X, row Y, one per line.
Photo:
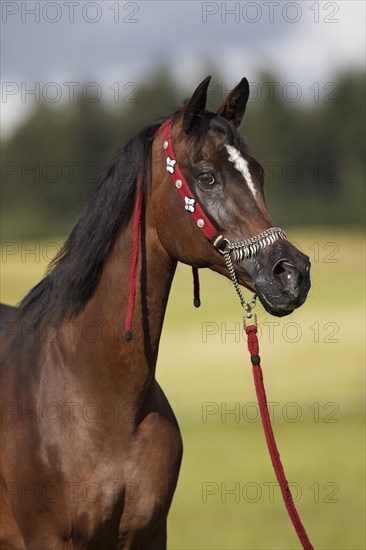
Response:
column 75, row 272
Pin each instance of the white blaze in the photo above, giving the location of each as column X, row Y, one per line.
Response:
column 242, row 166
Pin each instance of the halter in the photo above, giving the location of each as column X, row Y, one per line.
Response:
column 237, row 251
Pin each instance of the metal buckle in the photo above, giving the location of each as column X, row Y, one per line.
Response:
column 250, row 319
column 225, row 249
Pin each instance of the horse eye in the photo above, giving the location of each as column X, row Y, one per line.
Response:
column 206, row 178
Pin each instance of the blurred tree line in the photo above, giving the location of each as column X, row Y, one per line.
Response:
column 313, row 153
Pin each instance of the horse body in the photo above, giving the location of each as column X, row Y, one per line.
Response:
column 91, row 449
column 101, row 447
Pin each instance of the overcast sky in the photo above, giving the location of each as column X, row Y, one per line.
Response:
column 114, row 41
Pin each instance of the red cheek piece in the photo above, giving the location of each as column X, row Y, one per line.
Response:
column 199, row 216
column 203, row 223
column 193, row 209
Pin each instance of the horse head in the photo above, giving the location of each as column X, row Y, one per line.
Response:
column 222, row 186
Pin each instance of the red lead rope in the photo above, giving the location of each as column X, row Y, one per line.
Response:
column 253, row 347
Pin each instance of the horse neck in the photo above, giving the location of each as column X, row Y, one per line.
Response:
column 110, row 360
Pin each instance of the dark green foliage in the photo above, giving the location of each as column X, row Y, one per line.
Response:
column 313, row 155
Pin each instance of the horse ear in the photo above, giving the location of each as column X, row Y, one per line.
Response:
column 195, row 105
column 233, row 108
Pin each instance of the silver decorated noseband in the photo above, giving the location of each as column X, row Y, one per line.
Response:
column 245, row 250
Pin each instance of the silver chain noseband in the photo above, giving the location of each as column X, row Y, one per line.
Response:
column 245, row 250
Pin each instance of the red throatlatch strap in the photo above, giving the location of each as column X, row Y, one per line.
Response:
column 253, row 347
column 133, row 260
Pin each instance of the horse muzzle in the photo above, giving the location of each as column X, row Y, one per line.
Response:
column 281, row 278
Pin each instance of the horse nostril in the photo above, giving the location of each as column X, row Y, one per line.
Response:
column 287, row 274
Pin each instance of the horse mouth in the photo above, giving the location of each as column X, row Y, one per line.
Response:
column 274, row 309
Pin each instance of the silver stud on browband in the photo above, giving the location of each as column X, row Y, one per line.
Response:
column 165, row 144
column 200, row 222
column 178, row 184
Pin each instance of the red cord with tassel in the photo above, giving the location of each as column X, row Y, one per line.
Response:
column 253, row 348
column 133, row 261
column 133, row 267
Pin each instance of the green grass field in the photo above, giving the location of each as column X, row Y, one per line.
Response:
column 313, row 363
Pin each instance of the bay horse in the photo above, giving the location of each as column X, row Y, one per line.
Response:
column 90, row 447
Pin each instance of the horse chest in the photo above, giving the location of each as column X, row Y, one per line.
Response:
column 132, row 493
